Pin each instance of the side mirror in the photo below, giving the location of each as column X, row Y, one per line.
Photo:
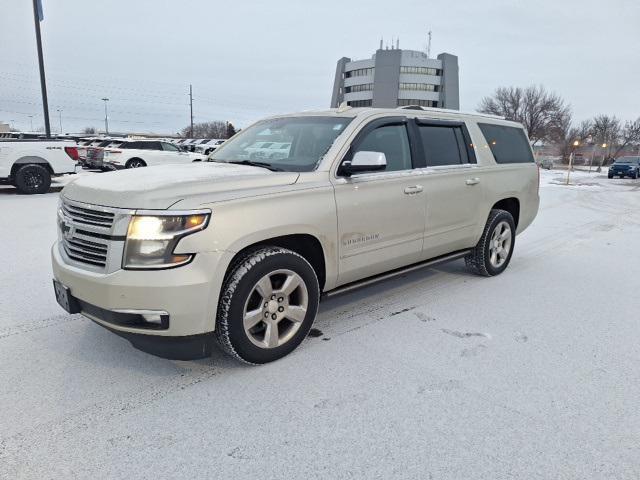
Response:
column 364, row 161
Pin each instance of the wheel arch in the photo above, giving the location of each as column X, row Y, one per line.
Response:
column 304, row 244
column 511, row 205
column 27, row 160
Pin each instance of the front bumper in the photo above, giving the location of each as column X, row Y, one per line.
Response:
column 188, row 294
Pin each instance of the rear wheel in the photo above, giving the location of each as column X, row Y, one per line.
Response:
column 492, row 254
column 135, row 163
column 269, row 302
column 32, row 179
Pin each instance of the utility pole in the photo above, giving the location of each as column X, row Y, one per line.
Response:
column 191, row 108
column 106, row 116
column 60, row 117
column 37, row 18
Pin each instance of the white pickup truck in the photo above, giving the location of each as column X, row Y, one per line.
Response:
column 241, row 251
column 29, row 164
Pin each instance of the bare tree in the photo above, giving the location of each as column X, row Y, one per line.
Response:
column 567, row 134
column 542, row 112
column 89, row 130
column 606, row 129
column 629, row 135
column 214, row 129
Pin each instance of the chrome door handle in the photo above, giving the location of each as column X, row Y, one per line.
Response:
column 412, row 190
column 472, row 181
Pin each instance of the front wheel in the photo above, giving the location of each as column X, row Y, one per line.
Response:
column 492, row 254
column 135, row 163
column 268, row 303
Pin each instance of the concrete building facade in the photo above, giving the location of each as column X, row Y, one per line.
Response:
column 395, row 77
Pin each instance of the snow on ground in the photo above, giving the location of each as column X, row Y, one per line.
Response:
column 440, row 374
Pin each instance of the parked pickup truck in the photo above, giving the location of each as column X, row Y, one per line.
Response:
column 29, row 164
column 241, row 251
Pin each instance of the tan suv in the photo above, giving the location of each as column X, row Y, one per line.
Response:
column 241, row 251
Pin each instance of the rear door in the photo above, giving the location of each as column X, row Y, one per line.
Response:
column 381, row 215
column 453, row 186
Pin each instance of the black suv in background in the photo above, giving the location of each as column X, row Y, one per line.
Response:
column 625, row 167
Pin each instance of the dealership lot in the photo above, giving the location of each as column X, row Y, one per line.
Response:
column 438, row 374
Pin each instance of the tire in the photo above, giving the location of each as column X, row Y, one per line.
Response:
column 135, row 163
column 32, row 179
column 610, row 176
column 482, row 260
column 246, row 290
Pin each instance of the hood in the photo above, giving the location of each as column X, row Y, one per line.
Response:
column 162, row 186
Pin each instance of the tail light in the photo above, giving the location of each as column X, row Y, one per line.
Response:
column 72, row 152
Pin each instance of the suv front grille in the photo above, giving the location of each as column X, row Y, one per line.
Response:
column 82, row 250
column 88, row 216
column 92, row 237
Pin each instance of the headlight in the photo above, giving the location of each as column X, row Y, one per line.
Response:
column 151, row 239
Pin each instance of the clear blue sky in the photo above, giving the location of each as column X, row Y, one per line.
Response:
column 251, row 59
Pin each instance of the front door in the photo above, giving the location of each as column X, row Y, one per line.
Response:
column 381, row 215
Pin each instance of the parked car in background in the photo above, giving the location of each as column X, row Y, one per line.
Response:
column 208, row 146
column 29, row 165
column 143, row 153
column 545, row 162
column 240, row 251
column 625, row 167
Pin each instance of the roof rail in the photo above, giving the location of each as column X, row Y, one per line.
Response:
column 448, row 110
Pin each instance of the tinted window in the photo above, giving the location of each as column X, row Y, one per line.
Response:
column 443, row 145
column 508, row 144
column 391, row 140
column 131, row 145
column 169, row 147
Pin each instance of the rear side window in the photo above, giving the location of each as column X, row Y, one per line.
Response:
column 443, row 145
column 508, row 144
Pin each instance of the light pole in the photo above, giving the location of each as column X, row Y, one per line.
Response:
column 576, row 143
column 31, row 120
column 604, row 145
column 106, row 116
column 59, row 110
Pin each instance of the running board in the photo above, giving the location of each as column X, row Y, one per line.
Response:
column 394, row 273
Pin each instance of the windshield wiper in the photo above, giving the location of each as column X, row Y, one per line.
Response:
column 253, row 163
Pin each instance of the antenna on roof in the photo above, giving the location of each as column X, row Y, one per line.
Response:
column 429, row 44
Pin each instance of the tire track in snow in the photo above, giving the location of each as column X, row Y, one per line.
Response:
column 39, row 325
column 15, row 450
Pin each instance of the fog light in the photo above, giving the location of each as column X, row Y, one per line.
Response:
column 155, row 318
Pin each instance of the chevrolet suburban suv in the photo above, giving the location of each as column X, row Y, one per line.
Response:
column 241, row 251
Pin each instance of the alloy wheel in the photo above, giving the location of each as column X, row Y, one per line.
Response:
column 275, row 309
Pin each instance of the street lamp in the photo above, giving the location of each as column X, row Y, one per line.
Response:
column 31, row 120
column 59, row 110
column 576, row 144
column 106, row 117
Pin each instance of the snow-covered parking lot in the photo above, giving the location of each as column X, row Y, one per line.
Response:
column 437, row 375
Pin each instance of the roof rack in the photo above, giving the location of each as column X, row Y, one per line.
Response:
column 447, row 110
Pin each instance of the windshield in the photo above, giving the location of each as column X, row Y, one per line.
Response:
column 303, row 141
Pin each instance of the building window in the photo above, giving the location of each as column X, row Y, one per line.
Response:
column 360, row 103
column 360, row 72
column 425, row 87
column 422, row 71
column 403, row 102
column 365, row 87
